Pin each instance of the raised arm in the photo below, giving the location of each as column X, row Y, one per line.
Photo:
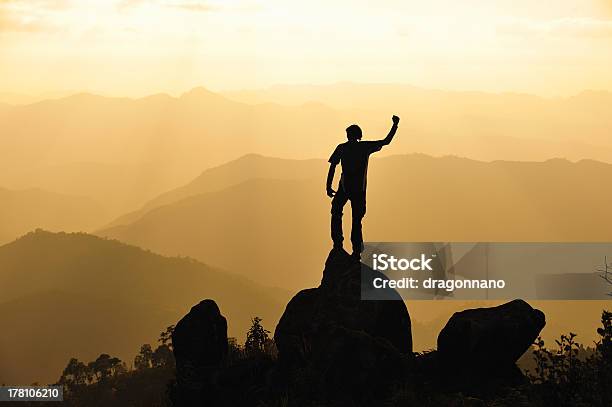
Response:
column 387, row 140
column 330, row 179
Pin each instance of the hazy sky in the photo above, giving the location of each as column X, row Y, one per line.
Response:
column 134, row 47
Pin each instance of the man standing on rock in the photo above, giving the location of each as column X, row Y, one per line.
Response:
column 353, row 155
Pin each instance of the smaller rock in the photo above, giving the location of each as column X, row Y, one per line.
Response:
column 489, row 340
column 199, row 344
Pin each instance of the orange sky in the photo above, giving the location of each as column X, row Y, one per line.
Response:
column 136, row 47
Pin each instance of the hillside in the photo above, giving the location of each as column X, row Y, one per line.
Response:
column 248, row 167
column 44, row 330
column 25, row 210
column 84, row 294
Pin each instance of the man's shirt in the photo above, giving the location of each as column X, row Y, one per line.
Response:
column 354, row 156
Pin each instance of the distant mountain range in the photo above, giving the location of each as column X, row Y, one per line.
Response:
column 11, row 98
column 479, row 125
column 72, row 295
column 123, row 152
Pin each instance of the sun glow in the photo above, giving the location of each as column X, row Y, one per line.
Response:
column 133, row 47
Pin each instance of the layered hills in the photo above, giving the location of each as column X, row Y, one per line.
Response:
column 262, row 217
column 123, row 152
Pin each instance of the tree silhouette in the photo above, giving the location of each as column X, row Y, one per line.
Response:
column 256, row 338
column 606, row 272
column 105, row 366
column 162, row 356
column 75, row 373
column 165, row 337
column 144, row 359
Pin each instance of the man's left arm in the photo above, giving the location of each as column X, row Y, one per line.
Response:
column 387, row 140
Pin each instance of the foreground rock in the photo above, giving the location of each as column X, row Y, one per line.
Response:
column 345, row 343
column 200, row 346
column 478, row 348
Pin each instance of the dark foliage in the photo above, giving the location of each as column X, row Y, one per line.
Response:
column 563, row 378
column 257, row 338
column 566, row 375
column 107, row 381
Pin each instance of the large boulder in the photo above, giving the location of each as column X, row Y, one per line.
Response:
column 343, row 340
column 489, row 340
column 200, row 346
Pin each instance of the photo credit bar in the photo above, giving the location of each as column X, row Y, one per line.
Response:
column 485, row 271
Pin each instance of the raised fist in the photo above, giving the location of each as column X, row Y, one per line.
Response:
column 395, row 119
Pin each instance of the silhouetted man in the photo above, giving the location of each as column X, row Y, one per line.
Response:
column 353, row 155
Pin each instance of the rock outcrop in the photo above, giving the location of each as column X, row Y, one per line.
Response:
column 345, row 341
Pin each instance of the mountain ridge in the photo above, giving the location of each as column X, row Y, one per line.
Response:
column 205, row 181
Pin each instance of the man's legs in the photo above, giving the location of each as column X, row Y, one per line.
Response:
column 358, row 208
column 337, row 205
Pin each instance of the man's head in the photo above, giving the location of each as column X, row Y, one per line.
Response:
column 353, row 132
